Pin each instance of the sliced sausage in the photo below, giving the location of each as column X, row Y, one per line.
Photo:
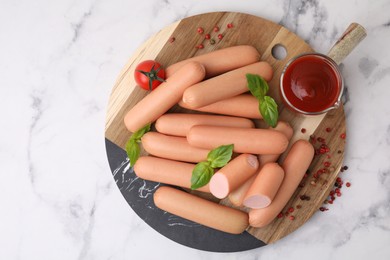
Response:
column 231, row 176
column 265, row 186
column 295, row 166
column 236, row 197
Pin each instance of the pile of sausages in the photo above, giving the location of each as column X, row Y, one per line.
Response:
column 216, row 83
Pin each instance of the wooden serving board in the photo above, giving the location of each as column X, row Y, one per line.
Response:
column 263, row 35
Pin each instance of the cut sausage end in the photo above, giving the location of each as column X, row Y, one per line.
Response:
column 219, row 185
column 257, row 202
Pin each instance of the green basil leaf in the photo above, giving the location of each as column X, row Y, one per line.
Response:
column 269, row 111
column 133, row 150
column 201, row 175
column 257, row 86
column 220, row 156
column 140, row 132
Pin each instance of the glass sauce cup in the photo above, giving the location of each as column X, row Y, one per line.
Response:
column 311, row 84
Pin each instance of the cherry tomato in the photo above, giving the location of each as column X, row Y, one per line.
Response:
column 149, row 74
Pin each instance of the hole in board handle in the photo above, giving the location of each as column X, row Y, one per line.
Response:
column 279, row 52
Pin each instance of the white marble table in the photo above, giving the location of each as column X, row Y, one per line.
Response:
column 58, row 62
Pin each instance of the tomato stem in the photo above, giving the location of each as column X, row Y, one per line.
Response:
column 152, row 75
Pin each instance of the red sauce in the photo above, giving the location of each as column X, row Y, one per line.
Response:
column 311, row 83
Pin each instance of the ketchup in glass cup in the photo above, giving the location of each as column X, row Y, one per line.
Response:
column 311, row 84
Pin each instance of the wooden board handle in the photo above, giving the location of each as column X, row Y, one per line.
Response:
column 354, row 34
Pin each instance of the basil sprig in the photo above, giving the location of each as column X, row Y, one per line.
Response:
column 216, row 158
column 267, row 105
column 132, row 146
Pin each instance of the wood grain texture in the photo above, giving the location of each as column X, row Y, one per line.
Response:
column 352, row 36
column 263, row 35
column 125, row 93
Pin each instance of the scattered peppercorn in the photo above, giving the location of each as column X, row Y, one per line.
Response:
column 200, row 46
column 316, row 175
column 304, row 197
column 299, row 206
column 292, row 217
column 216, row 29
column 200, row 30
column 320, row 139
column 207, row 36
column 229, row 25
column 280, row 215
column 220, row 36
column 323, row 149
column 291, row 210
column 172, row 39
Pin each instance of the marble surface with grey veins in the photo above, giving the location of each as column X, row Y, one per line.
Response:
column 59, row 61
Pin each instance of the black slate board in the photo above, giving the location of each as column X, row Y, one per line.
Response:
column 139, row 195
